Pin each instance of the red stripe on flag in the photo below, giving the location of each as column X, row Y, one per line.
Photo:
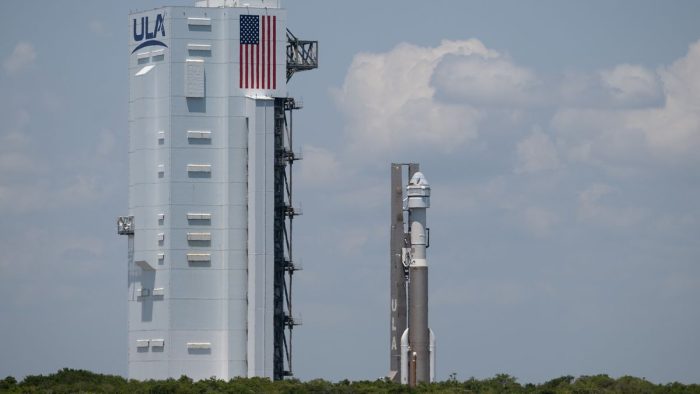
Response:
column 257, row 63
column 262, row 41
column 268, row 52
column 252, row 66
column 274, row 52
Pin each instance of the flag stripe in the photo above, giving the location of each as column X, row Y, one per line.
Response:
column 263, row 51
column 268, row 51
column 258, row 52
column 274, row 52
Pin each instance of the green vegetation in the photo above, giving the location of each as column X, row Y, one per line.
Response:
column 79, row 381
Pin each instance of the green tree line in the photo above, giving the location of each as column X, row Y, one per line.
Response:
column 81, row 381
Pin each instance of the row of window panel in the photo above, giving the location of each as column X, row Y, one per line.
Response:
column 145, row 343
column 145, row 57
column 191, row 135
column 191, row 168
column 190, row 216
column 157, row 292
column 194, row 49
column 199, row 257
column 190, row 237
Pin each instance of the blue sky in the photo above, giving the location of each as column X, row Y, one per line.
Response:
column 561, row 140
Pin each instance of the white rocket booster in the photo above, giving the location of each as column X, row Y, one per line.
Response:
column 418, row 341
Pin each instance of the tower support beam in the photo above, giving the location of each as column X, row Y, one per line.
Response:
column 399, row 241
column 283, row 318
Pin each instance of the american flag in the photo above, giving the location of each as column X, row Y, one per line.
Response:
column 258, row 52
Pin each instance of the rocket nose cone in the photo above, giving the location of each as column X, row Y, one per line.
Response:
column 418, row 179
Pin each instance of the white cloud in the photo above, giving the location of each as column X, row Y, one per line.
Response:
column 629, row 83
column 46, row 195
column 29, row 181
column 670, row 131
column 82, row 189
column 540, row 221
column 319, row 166
column 674, row 130
column 460, row 198
column 536, row 153
column 16, row 159
column 21, row 57
column 593, row 209
column 484, row 79
column 389, row 101
column 494, row 80
column 49, row 261
column 599, row 138
column 589, row 199
column 441, row 98
column 12, row 141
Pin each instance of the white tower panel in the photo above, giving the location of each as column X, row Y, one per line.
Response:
column 201, row 170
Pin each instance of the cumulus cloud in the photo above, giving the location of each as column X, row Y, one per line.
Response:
column 536, row 153
column 669, row 131
column 16, row 158
column 21, row 57
column 630, row 84
column 484, row 79
column 539, row 221
column 44, row 195
column 389, row 101
column 595, row 210
column 600, row 138
column 48, row 262
column 622, row 87
column 495, row 80
column 674, row 129
column 440, row 99
column 319, row 166
column 461, row 97
column 30, row 183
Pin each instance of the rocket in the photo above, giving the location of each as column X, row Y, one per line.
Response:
column 417, row 353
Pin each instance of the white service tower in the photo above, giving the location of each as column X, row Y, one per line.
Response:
column 210, row 190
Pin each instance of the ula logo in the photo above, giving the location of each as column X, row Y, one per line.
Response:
column 149, row 35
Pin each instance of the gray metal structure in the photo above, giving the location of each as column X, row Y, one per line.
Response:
column 284, row 320
column 209, row 221
column 302, row 55
column 398, row 275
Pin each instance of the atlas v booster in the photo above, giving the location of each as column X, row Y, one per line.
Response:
column 417, row 352
column 418, row 349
